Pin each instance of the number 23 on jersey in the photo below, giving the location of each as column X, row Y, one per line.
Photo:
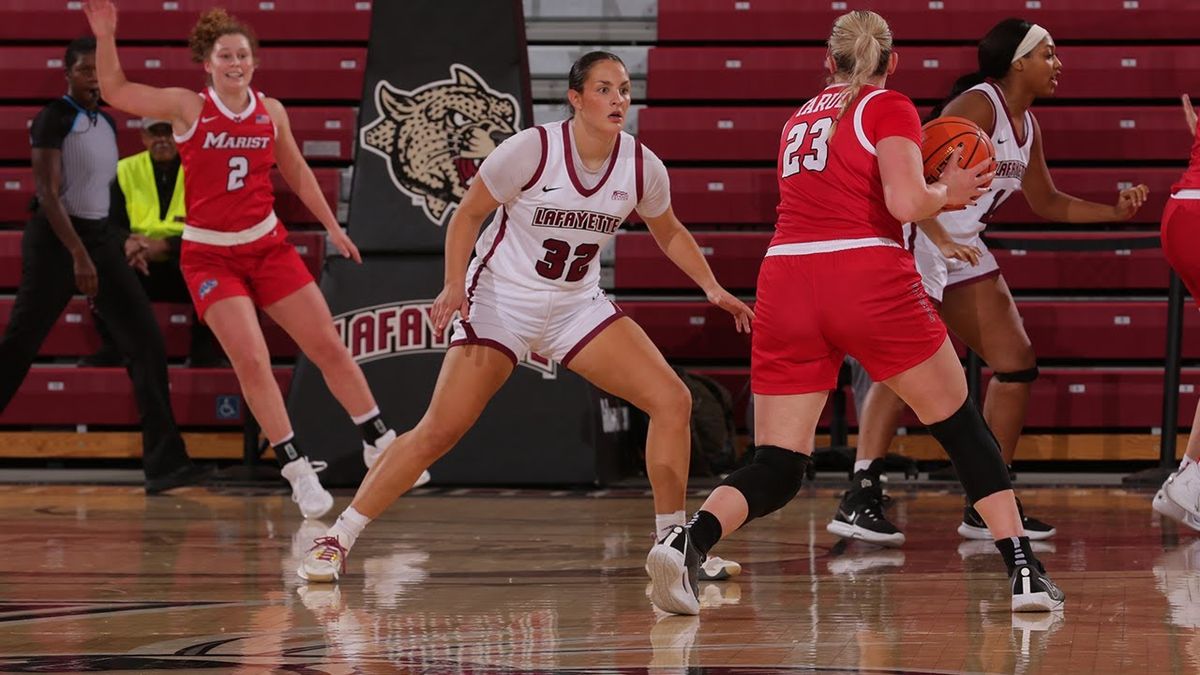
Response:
column 808, row 147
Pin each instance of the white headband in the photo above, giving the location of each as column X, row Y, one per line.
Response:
column 1035, row 35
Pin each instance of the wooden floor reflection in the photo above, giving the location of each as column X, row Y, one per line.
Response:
column 99, row 578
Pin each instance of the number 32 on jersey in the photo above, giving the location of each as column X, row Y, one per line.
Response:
column 807, row 146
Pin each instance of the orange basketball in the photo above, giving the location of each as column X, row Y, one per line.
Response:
column 941, row 136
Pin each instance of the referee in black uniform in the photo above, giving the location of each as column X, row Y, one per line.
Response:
column 67, row 245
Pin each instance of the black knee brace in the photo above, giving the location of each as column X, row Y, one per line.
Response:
column 769, row 481
column 974, row 451
column 1027, row 375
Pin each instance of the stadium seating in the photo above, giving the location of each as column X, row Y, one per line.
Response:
column 310, row 246
column 791, row 73
column 739, row 134
column 724, row 196
column 16, row 191
column 284, row 72
column 74, row 334
column 322, row 133
column 1063, row 399
column 307, row 20
column 735, row 257
column 1126, row 330
column 966, row 20
column 52, row 396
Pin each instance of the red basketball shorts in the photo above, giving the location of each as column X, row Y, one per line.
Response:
column 1181, row 241
column 814, row 309
column 266, row 270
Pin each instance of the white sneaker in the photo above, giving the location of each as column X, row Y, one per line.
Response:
column 314, row 501
column 372, row 453
column 674, row 565
column 1182, row 492
column 324, row 562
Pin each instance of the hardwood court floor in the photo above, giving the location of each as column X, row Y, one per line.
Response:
column 97, row 578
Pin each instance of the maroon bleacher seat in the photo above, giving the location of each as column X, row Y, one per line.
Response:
column 310, row 246
column 736, row 196
column 285, row 72
column 1081, row 270
column 1069, row 133
column 788, row 20
column 74, row 334
column 735, row 258
column 1059, row 329
column 790, row 73
column 724, row 196
column 200, row 397
column 16, row 190
column 308, row 20
column 10, row 258
column 689, row 330
column 731, row 134
column 323, row 133
column 1098, row 185
column 291, row 210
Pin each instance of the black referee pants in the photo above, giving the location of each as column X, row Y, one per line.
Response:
column 47, row 285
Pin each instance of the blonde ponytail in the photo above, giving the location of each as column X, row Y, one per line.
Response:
column 860, row 46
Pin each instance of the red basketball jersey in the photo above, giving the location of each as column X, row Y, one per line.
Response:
column 227, row 159
column 1191, row 178
column 829, row 187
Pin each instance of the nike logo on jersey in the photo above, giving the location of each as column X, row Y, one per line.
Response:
column 206, row 120
column 550, row 189
column 1001, row 140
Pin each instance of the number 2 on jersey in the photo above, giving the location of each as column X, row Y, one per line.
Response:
column 238, row 168
column 815, row 155
column 555, row 261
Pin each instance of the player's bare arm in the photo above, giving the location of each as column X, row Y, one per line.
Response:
column 176, row 104
column 974, row 106
column 949, row 248
column 1052, row 205
column 679, row 245
column 461, row 233
column 299, row 176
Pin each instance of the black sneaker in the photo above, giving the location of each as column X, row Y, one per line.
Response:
column 674, row 568
column 1032, row 590
column 1035, row 529
column 860, row 514
column 973, row 527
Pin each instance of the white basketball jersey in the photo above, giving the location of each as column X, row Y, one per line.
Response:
column 550, row 235
column 1012, row 157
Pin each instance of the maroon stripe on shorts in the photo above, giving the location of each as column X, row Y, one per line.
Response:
column 566, row 361
column 473, row 339
column 973, row 280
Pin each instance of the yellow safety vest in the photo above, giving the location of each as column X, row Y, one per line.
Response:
column 135, row 174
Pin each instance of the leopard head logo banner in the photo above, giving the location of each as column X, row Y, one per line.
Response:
column 435, row 137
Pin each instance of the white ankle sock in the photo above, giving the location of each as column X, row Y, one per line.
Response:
column 359, row 419
column 348, row 526
column 663, row 522
column 862, row 465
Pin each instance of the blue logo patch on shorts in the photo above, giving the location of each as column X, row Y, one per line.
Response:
column 207, row 286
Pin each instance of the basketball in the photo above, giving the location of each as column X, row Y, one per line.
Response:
column 941, row 136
